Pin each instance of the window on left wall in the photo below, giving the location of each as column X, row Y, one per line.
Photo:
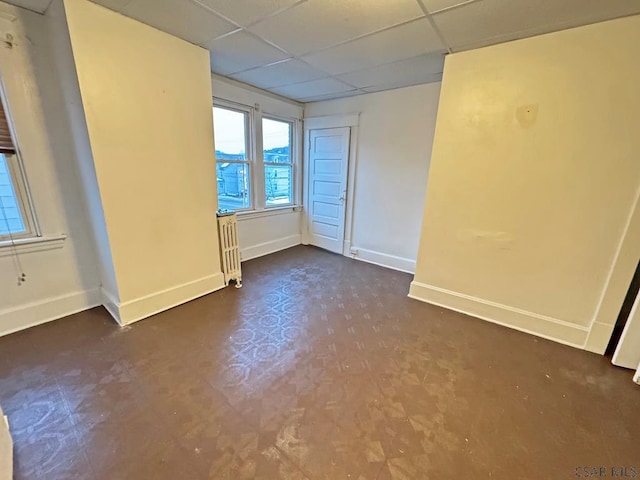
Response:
column 16, row 215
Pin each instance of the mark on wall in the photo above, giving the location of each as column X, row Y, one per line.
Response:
column 496, row 240
column 527, row 115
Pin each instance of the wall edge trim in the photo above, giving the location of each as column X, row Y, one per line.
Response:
column 521, row 320
column 272, row 246
column 47, row 310
column 385, row 260
column 148, row 305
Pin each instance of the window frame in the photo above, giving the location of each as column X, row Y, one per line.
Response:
column 18, row 178
column 249, row 148
column 257, row 164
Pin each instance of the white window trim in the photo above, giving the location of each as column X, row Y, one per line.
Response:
column 20, row 183
column 249, row 146
column 32, row 244
column 293, row 157
column 256, row 163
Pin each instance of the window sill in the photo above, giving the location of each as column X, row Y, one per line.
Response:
column 33, row 244
column 267, row 212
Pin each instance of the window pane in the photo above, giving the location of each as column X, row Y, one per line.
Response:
column 278, row 185
column 233, row 185
column 276, row 141
column 229, row 132
column 11, row 220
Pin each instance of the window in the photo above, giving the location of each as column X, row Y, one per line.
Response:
column 231, row 129
column 278, row 163
column 255, row 158
column 16, row 219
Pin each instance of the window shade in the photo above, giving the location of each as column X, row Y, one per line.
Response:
column 6, row 142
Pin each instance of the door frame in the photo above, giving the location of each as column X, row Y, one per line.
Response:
column 351, row 121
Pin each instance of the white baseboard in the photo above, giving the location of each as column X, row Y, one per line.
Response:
column 382, row 259
column 42, row 311
column 261, row 249
column 522, row 320
column 140, row 308
column 6, row 449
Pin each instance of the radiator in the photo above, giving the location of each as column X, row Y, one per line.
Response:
column 229, row 248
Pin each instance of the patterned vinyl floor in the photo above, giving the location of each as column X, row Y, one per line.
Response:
column 320, row 367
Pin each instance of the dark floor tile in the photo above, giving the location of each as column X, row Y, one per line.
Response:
column 320, row 367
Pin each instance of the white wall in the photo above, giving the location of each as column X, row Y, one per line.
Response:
column 61, row 276
column 531, row 216
column 395, row 136
column 263, row 233
column 75, row 137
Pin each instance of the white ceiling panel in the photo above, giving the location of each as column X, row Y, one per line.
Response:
column 317, row 24
column 325, row 86
column 279, row 74
column 486, row 22
column 406, row 82
column 405, row 41
column 39, row 6
column 116, row 5
column 320, row 49
column 333, row 96
column 437, row 5
column 241, row 51
column 246, row 12
column 414, row 70
column 181, row 18
column 437, row 77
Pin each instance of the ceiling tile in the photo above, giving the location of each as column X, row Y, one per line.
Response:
column 241, row 51
column 279, row 74
column 401, row 42
column 331, row 96
column 436, row 77
column 317, row 24
column 437, row 5
column 181, row 18
column 325, row 86
column 247, row 11
column 410, row 72
column 492, row 21
column 39, row 6
column 116, row 5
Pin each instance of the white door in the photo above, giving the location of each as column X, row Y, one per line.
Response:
column 627, row 352
column 328, row 166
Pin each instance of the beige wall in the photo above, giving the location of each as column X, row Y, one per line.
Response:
column 534, row 176
column 147, row 101
column 391, row 161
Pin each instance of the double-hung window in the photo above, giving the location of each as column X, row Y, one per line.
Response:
column 232, row 132
column 16, row 216
column 277, row 157
column 255, row 158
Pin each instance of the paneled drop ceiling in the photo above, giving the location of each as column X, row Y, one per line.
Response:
column 311, row 50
